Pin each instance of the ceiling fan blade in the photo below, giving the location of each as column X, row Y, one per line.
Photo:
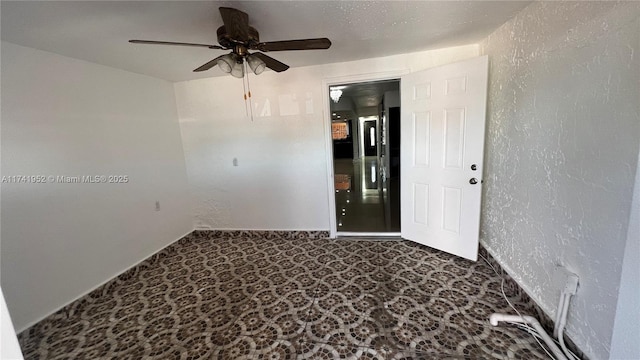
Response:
column 152, row 42
column 303, row 44
column 271, row 63
column 236, row 24
column 208, row 65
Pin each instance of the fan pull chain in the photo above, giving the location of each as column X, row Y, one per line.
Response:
column 244, row 88
column 249, row 87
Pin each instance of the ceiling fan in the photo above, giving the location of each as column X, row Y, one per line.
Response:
column 236, row 35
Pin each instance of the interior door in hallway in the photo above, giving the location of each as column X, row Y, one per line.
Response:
column 442, row 131
column 370, row 139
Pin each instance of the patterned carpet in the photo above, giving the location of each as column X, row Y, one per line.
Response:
column 217, row 296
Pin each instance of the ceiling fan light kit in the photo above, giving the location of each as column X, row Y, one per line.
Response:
column 256, row 65
column 238, row 70
column 226, row 62
column 236, row 35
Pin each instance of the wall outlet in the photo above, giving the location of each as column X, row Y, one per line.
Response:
column 564, row 280
column 157, row 205
column 571, row 286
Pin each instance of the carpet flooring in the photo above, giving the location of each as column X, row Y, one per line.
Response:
column 210, row 296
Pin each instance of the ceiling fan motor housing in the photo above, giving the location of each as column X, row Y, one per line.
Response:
column 226, row 41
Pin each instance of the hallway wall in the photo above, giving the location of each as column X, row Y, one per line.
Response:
column 280, row 181
column 561, row 154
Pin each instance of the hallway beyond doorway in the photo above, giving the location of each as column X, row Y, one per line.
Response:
column 362, row 197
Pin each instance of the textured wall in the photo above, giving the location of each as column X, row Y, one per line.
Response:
column 62, row 116
column 563, row 132
column 280, row 181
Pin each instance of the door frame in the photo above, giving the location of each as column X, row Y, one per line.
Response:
column 326, row 109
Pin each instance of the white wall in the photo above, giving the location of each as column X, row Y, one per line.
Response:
column 9, row 346
column 281, row 178
column 561, row 154
column 62, row 116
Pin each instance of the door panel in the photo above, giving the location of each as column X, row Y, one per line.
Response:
column 421, row 126
column 421, row 204
column 443, row 120
column 453, row 138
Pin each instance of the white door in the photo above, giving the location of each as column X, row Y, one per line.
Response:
column 442, row 142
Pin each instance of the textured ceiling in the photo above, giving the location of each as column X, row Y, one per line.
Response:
column 98, row 31
column 362, row 96
column 370, row 93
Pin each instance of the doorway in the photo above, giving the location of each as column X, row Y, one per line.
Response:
column 441, row 153
column 365, row 132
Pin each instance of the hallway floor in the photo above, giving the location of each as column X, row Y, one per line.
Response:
column 368, row 204
column 216, row 296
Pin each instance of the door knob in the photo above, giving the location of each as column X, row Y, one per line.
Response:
column 473, row 181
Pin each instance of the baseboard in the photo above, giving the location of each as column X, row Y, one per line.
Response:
column 526, row 304
column 368, row 234
column 267, row 234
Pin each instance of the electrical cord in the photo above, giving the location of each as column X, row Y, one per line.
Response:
column 564, row 300
column 511, row 305
column 533, row 332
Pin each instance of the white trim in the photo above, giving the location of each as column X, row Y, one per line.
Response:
column 326, row 83
column 368, row 234
column 262, row 230
column 362, row 78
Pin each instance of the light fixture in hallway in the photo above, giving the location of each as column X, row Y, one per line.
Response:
column 335, row 92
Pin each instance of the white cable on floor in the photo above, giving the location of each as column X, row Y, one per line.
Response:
column 514, row 308
column 561, row 318
column 533, row 332
column 522, row 317
column 495, row 318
